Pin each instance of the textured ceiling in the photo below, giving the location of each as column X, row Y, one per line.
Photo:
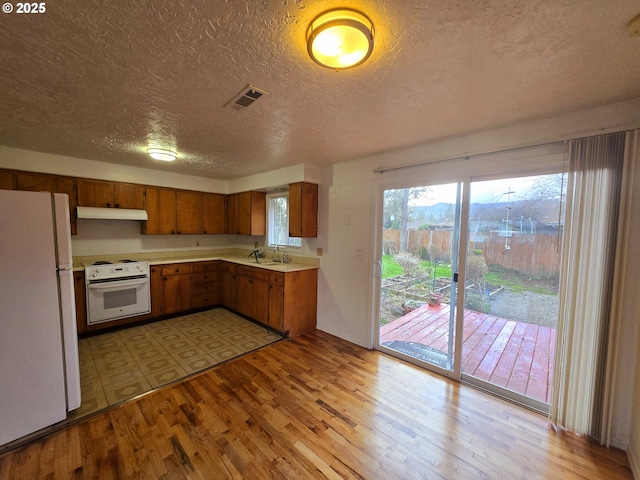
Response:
column 105, row 80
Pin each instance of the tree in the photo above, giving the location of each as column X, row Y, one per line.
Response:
column 398, row 211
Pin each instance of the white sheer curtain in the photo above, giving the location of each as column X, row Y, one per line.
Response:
column 588, row 259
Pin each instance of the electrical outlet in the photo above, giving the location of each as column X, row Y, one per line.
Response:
column 197, row 243
column 319, row 251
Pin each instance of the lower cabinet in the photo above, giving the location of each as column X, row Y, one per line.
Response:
column 80, row 290
column 176, row 288
column 205, row 285
column 252, row 293
column 284, row 301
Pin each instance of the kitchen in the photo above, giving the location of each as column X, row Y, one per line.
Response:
column 92, row 87
column 277, row 290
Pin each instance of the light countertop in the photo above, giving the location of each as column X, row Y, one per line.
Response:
column 237, row 256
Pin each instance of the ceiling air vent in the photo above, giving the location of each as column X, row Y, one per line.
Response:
column 247, row 97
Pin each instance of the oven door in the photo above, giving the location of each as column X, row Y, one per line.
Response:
column 114, row 299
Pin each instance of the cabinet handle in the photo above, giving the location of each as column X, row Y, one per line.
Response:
column 108, row 205
column 117, row 205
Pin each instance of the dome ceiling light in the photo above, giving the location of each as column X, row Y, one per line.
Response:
column 340, row 39
column 162, row 154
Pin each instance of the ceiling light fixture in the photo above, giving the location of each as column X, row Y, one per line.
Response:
column 162, row 154
column 341, row 38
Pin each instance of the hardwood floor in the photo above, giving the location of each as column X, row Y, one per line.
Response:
column 315, row 407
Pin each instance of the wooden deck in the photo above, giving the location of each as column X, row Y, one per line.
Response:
column 515, row 355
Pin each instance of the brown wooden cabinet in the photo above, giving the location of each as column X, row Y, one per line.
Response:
column 176, row 287
column 96, row 193
column 6, row 180
column 81, row 301
column 214, row 215
column 205, row 286
column 293, row 301
column 276, row 301
column 36, row 182
column 285, row 301
column 303, row 210
column 246, row 213
column 189, row 212
column 161, row 209
column 252, row 293
column 228, row 284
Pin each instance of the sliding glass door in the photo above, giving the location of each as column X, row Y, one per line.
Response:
column 511, row 289
column 468, row 286
column 418, row 260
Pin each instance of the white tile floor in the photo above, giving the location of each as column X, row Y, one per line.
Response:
column 120, row 365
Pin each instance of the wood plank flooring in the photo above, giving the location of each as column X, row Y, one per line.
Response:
column 315, row 407
column 515, row 355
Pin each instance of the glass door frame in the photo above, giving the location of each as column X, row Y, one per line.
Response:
column 462, row 221
column 519, row 162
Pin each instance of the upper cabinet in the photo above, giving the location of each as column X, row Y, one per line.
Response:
column 161, row 209
column 95, row 193
column 6, row 181
column 189, row 212
column 36, row 182
column 214, row 216
column 303, row 210
column 246, row 213
column 183, row 212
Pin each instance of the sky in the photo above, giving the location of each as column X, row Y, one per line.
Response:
column 481, row 192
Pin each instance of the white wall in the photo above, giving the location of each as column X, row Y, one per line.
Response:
column 345, row 293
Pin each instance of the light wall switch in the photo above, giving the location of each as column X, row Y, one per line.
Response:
column 319, row 251
column 360, row 254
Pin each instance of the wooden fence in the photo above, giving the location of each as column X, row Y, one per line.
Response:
column 531, row 254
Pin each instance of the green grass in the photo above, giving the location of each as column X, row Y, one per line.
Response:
column 391, row 268
column 497, row 276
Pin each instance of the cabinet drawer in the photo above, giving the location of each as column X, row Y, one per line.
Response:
column 276, row 278
column 254, row 273
column 205, row 287
column 205, row 277
column 227, row 267
column 177, row 269
column 205, row 267
column 205, row 299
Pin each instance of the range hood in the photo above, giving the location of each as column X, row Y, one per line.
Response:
column 97, row 213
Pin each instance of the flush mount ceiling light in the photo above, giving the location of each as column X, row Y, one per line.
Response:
column 162, row 154
column 340, row 39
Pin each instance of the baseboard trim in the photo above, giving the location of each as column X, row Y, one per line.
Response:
column 634, row 462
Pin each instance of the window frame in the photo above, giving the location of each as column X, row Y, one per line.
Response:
column 271, row 222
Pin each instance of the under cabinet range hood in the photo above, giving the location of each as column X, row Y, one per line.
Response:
column 97, row 213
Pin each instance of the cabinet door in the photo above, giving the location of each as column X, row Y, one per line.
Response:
column 161, row 208
column 50, row 183
column 276, row 307
column 176, row 293
column 128, row 196
column 81, row 301
column 252, row 210
column 214, row 216
column 260, row 301
column 228, row 289
column 232, row 213
column 189, row 212
column 6, row 181
column 303, row 210
column 93, row 193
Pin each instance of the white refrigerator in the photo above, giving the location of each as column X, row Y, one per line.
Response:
column 39, row 370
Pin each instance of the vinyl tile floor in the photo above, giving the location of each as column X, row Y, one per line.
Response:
column 120, row 365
